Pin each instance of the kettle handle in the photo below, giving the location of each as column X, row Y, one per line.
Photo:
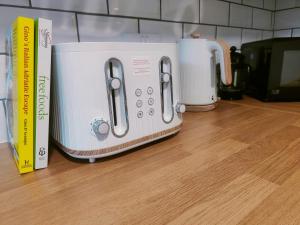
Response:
column 225, row 61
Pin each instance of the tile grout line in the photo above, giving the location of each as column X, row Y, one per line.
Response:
column 77, row 27
column 107, row 7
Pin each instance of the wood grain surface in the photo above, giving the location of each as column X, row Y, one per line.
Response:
column 238, row 164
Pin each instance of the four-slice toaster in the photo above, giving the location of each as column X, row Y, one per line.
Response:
column 109, row 97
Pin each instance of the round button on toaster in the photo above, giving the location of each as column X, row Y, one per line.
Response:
column 139, row 103
column 151, row 112
column 150, row 90
column 140, row 114
column 138, row 92
column 150, row 101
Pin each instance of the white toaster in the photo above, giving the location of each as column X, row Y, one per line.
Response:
column 109, row 97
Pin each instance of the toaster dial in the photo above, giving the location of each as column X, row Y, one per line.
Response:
column 100, row 127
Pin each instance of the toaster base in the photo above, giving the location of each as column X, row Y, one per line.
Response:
column 201, row 108
column 104, row 152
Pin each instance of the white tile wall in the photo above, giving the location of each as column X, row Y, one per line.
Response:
column 262, row 19
column 236, row 1
column 128, row 17
column 296, row 33
column 251, row 35
column 204, row 30
column 179, row 10
column 269, row 4
column 267, row 34
column 284, row 4
column 283, row 33
column 169, row 30
column 240, row 16
column 64, row 23
column 96, row 28
column 256, row 3
column 15, row 2
column 287, row 19
column 231, row 35
column 137, row 8
column 214, row 12
column 93, row 6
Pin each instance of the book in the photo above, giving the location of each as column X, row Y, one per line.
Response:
column 43, row 41
column 19, row 106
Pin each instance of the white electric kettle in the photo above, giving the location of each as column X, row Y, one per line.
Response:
column 198, row 59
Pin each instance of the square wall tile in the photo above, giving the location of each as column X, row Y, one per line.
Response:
column 236, row 1
column 3, row 135
column 296, row 33
column 251, row 35
column 284, row 4
column 64, row 23
column 166, row 29
column 256, row 3
column 178, row 10
column 267, row 35
column 283, row 33
column 240, row 16
column 269, row 4
column 287, row 19
column 15, row 2
column 231, row 35
column 2, row 76
column 204, row 30
column 214, row 12
column 262, row 19
column 92, row 6
column 95, row 28
column 136, row 8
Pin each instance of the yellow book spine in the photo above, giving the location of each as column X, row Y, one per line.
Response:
column 23, row 47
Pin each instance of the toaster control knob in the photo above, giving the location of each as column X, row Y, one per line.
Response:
column 180, row 108
column 101, row 127
column 115, row 83
column 165, row 78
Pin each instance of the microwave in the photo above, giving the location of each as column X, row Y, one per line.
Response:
column 274, row 73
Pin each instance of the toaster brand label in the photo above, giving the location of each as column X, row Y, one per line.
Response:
column 141, row 66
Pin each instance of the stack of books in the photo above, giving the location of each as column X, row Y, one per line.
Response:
column 28, row 46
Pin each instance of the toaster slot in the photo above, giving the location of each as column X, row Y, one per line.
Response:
column 115, row 83
column 166, row 89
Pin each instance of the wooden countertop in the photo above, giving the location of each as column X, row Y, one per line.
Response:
column 239, row 164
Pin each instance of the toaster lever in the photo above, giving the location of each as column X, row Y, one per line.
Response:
column 116, row 92
column 166, row 89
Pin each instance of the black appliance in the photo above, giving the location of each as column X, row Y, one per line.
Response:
column 274, row 69
column 239, row 74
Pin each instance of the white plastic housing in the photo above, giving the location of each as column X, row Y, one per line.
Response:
column 198, row 70
column 82, row 92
